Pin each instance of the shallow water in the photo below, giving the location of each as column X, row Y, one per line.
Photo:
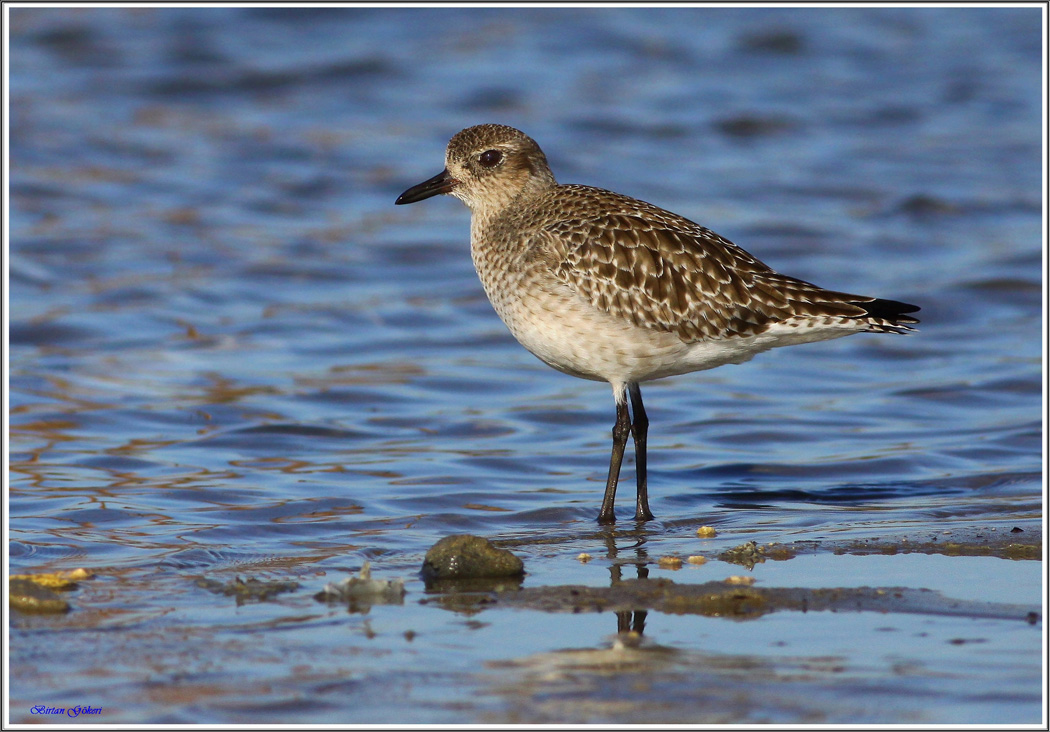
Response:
column 230, row 355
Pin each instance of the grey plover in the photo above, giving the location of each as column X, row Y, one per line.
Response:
column 606, row 287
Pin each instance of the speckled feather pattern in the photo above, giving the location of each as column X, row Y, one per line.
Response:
column 604, row 286
column 661, row 271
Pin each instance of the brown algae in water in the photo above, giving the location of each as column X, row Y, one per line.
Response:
column 247, row 590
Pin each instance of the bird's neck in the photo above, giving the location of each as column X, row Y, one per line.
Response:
column 496, row 209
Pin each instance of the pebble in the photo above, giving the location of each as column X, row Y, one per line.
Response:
column 464, row 556
column 30, row 597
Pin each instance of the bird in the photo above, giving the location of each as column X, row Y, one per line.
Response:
column 610, row 288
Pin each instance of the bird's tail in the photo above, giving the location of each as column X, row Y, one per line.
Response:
column 887, row 316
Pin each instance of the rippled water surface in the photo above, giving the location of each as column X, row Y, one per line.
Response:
column 232, row 356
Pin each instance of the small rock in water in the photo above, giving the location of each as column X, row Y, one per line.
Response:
column 32, row 597
column 36, row 593
column 463, row 556
column 670, row 562
column 65, row 580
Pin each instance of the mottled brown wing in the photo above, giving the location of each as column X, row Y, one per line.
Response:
column 661, row 271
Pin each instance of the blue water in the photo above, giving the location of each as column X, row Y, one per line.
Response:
column 231, row 355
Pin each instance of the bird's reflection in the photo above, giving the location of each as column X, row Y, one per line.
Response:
column 628, row 622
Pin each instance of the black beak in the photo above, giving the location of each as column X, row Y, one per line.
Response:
column 440, row 183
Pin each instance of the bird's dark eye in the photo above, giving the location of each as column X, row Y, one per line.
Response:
column 490, row 158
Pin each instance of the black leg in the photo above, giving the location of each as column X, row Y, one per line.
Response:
column 641, row 431
column 621, row 430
